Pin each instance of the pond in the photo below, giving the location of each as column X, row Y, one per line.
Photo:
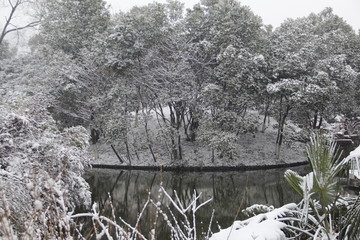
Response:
column 230, row 192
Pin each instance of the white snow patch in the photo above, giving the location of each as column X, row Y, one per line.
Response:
column 261, row 227
column 38, row 205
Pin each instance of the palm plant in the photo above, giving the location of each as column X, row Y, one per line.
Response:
column 325, row 164
column 319, row 188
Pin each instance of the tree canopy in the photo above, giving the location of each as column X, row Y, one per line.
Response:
column 147, row 79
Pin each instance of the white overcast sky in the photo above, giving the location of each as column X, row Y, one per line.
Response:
column 273, row 12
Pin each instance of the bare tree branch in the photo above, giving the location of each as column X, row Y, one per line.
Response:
column 14, row 6
column 32, row 24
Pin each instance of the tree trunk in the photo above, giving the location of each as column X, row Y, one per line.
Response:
column 186, row 125
column 320, row 122
column 179, row 113
column 165, row 123
column 95, row 135
column 137, row 117
column 127, row 151
column 194, row 125
column 314, row 126
column 212, row 155
column 117, row 155
column 172, row 134
column 146, row 125
column 179, row 147
column 137, row 155
column 162, row 113
column 266, row 113
column 280, row 132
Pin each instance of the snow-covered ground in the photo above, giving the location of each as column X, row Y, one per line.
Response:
column 261, row 226
column 254, row 149
column 354, row 159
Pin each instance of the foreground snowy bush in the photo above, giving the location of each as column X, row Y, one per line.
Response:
column 40, row 176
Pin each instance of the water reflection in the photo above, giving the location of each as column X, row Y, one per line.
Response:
column 230, row 191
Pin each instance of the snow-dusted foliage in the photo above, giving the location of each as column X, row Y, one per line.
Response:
column 4, row 50
column 69, row 25
column 41, row 166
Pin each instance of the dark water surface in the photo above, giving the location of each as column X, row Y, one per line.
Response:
column 230, row 192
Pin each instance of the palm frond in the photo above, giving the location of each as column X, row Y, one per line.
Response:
column 324, row 161
column 295, row 181
column 351, row 223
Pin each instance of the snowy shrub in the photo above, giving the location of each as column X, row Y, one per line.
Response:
column 248, row 123
column 293, row 133
column 221, row 141
column 40, row 172
column 218, row 133
column 40, row 166
column 226, row 120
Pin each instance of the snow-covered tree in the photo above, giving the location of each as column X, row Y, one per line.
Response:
column 70, row 25
column 310, row 67
column 225, row 38
column 146, row 50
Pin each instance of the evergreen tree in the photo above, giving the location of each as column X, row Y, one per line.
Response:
column 71, row 25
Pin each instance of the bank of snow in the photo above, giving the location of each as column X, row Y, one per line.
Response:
column 262, row 226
